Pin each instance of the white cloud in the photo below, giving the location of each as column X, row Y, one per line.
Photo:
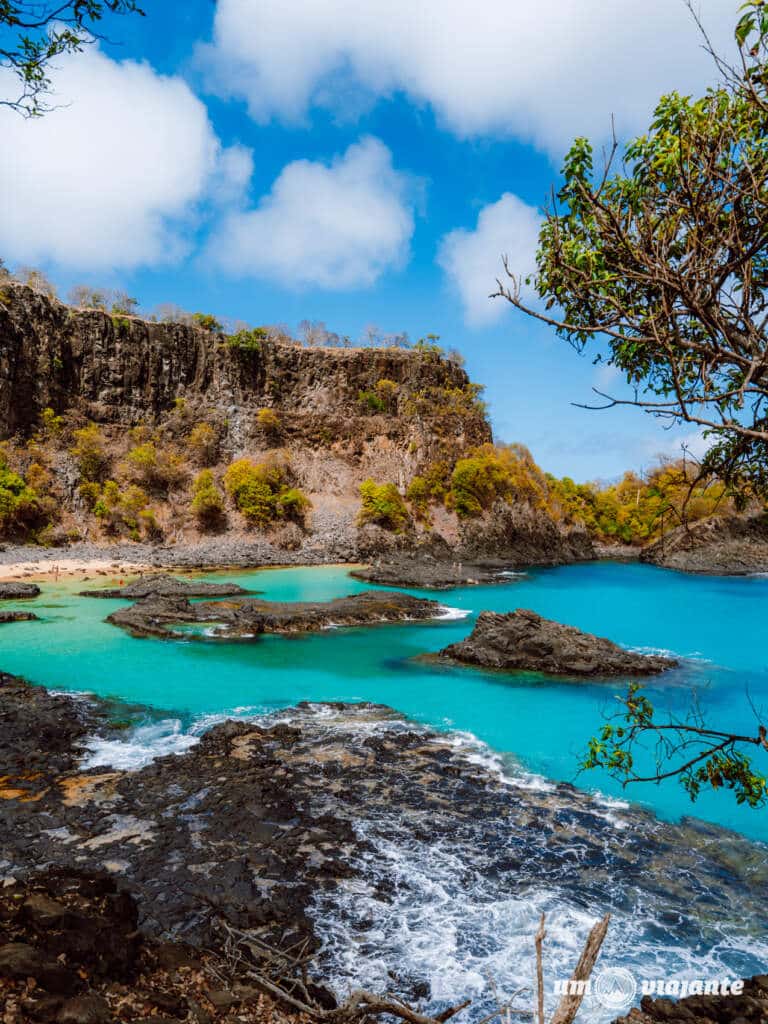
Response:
column 544, row 72
column 472, row 260
column 111, row 177
column 334, row 226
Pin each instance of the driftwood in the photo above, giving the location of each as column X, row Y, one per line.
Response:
column 284, row 976
column 571, row 1001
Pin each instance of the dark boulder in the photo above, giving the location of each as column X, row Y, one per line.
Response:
column 18, row 591
column 749, row 1007
column 163, row 585
column 525, row 641
column 7, row 616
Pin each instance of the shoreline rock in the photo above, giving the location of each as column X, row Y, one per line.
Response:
column 721, row 546
column 18, row 591
column 249, row 618
column 524, row 641
column 163, row 585
column 260, row 823
column 430, row 574
column 8, row 616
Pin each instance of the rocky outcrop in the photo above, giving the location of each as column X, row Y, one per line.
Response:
column 750, row 1007
column 163, row 585
column 18, row 591
column 522, row 640
column 7, row 616
column 723, row 545
column 425, row 573
column 263, row 822
column 122, row 372
column 248, row 619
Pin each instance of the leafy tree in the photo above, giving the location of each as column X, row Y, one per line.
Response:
column 686, row 750
column 33, row 34
column 660, row 263
column 262, row 492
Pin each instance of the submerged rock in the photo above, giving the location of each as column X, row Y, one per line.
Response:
column 18, row 591
column 524, row 640
column 433, row 574
column 723, row 545
column 6, row 616
column 163, row 585
column 245, row 619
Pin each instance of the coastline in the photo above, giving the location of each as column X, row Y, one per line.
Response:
column 288, row 824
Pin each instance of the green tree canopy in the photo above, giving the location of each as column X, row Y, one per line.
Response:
column 34, row 33
column 659, row 261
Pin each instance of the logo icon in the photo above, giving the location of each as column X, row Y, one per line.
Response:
column 614, row 988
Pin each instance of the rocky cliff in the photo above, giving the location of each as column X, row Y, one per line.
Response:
column 724, row 545
column 124, row 372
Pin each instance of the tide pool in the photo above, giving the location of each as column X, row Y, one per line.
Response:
column 716, row 625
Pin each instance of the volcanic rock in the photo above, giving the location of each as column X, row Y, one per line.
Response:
column 17, row 591
column 163, row 585
column 523, row 640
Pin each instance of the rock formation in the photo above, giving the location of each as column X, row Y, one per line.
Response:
column 163, row 585
column 18, row 591
column 726, row 545
column 248, row 619
column 522, row 640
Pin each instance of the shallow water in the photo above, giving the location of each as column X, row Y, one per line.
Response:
column 718, row 625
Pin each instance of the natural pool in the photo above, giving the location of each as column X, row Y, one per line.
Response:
column 718, row 625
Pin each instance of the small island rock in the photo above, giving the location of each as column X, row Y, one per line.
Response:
column 523, row 640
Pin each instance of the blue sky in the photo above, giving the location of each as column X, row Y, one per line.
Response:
column 355, row 164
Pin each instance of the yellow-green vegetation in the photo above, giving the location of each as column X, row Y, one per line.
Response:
column 429, row 488
column 269, row 421
column 22, row 509
column 262, row 492
column 383, row 505
column 125, row 512
column 636, row 509
column 207, row 501
column 506, row 472
column 157, row 469
column 208, row 322
column 89, row 452
column 204, row 443
column 51, row 425
column 447, row 402
column 247, row 340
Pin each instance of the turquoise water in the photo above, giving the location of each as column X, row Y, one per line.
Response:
column 718, row 625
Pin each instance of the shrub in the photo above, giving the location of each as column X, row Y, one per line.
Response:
column 370, row 401
column 90, row 492
column 382, row 504
column 507, row 472
column 247, row 341
column 262, row 494
column 387, row 391
column 51, row 425
column 269, row 421
column 204, row 442
column 21, row 508
column 157, row 469
column 207, row 500
column 208, row 322
column 126, row 512
column 89, row 452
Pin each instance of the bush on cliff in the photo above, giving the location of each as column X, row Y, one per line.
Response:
column 269, row 421
column 204, row 443
column 89, row 452
column 126, row 512
column 21, row 507
column 506, row 472
column 207, row 501
column 262, row 492
column 157, row 469
column 383, row 505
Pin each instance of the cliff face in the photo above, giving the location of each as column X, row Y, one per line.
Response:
column 122, row 372
column 724, row 545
